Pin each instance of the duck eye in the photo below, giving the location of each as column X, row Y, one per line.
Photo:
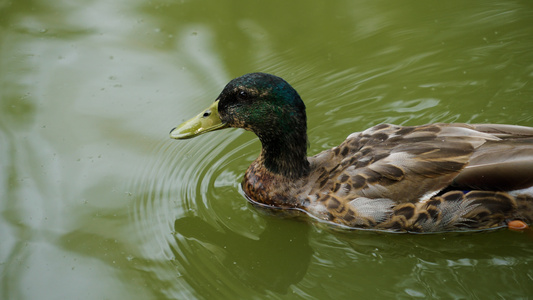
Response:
column 243, row 95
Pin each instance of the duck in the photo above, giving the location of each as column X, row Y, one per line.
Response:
column 420, row 179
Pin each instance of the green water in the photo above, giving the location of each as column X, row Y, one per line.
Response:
column 96, row 202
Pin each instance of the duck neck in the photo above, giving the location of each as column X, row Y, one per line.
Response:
column 286, row 154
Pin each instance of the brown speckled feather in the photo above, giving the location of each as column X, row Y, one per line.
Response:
column 430, row 178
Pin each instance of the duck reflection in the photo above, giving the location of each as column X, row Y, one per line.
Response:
column 276, row 259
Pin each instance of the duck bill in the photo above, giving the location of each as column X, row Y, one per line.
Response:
column 208, row 120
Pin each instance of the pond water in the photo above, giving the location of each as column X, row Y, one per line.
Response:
column 98, row 203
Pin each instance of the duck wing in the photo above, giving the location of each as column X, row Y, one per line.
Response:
column 414, row 163
column 502, row 165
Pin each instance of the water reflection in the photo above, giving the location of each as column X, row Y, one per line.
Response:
column 190, row 213
column 406, row 266
column 276, row 259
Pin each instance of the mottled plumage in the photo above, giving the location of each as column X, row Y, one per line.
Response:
column 430, row 178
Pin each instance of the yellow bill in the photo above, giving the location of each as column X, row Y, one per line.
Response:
column 206, row 121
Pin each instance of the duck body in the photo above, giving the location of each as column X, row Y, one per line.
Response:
column 429, row 178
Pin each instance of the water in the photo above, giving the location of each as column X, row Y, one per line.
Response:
column 97, row 201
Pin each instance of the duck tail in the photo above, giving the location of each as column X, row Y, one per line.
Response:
column 462, row 211
column 524, row 210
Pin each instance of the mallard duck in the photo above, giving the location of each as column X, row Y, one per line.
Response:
column 429, row 178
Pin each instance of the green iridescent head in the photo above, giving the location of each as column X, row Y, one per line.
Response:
column 263, row 103
column 259, row 102
column 268, row 106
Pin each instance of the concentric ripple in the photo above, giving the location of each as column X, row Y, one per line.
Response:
column 182, row 214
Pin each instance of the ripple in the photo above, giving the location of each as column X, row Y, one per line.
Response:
column 197, row 233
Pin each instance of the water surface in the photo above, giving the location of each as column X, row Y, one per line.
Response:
column 97, row 202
